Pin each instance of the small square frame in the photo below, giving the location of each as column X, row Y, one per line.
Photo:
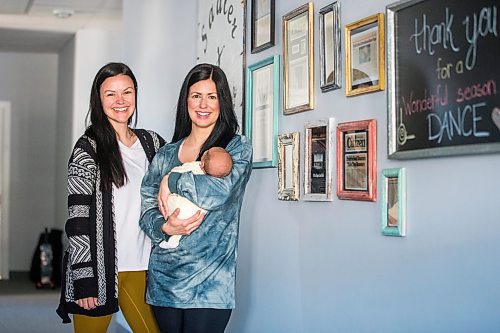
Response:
column 262, row 109
column 356, row 160
column 318, row 160
column 263, row 25
column 289, row 166
column 330, row 47
column 394, row 202
column 365, row 55
column 298, row 60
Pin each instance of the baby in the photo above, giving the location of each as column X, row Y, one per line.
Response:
column 215, row 162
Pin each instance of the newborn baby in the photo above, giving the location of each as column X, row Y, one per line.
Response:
column 215, row 162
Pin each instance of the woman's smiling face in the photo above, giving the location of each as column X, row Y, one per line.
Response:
column 118, row 98
column 203, row 104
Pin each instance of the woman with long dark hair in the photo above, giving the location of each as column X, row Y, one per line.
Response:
column 106, row 263
column 191, row 286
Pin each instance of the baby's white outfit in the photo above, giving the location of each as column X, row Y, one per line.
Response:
column 187, row 208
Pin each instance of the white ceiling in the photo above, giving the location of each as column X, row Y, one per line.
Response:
column 31, row 26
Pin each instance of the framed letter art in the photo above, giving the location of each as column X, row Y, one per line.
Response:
column 318, row 160
column 365, row 55
column 298, row 57
column 262, row 25
column 394, row 202
column 221, row 32
column 288, row 166
column 356, row 160
column 329, row 45
column 262, row 110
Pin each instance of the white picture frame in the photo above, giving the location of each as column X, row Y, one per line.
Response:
column 318, row 160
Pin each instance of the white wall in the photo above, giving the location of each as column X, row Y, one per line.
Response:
column 93, row 49
column 50, row 98
column 324, row 266
column 160, row 47
column 64, row 122
column 29, row 81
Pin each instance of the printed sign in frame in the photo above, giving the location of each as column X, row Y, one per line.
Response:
column 356, row 160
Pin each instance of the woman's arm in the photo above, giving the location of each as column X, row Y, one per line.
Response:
column 208, row 192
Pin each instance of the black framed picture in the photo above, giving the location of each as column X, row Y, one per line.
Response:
column 263, row 25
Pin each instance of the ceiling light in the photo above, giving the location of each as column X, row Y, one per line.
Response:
column 63, row 13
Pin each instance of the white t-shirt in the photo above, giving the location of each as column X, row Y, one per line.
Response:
column 133, row 246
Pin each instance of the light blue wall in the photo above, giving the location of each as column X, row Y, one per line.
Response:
column 315, row 267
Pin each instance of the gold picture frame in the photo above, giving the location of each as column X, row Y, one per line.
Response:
column 289, row 166
column 298, row 60
column 365, row 55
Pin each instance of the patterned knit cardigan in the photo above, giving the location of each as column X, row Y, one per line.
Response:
column 89, row 263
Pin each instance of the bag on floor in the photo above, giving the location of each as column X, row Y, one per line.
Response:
column 45, row 268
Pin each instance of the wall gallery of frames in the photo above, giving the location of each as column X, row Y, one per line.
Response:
column 436, row 70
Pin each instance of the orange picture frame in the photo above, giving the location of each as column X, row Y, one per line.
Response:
column 357, row 160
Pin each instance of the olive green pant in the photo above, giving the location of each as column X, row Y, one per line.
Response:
column 132, row 302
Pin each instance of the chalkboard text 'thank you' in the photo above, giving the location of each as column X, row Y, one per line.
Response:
column 428, row 36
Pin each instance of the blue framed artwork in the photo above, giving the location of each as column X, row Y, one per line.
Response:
column 261, row 116
column 394, row 202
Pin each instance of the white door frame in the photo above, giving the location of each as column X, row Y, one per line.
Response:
column 5, row 116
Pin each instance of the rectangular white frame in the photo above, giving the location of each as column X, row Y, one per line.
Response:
column 330, row 126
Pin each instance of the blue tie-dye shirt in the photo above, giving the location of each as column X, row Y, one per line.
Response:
column 200, row 272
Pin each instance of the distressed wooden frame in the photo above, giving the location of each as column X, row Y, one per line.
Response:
column 360, row 139
column 289, row 166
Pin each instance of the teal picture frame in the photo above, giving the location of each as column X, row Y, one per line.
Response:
column 393, row 204
column 261, row 115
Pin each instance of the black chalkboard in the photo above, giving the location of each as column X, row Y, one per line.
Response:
column 443, row 77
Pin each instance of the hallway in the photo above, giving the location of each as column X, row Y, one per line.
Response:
column 24, row 309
